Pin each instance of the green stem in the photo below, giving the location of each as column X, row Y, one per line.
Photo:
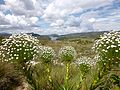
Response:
column 67, row 75
column 67, row 71
column 104, row 70
column 48, row 72
column 81, row 79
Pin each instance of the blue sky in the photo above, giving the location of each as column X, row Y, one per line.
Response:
column 59, row 16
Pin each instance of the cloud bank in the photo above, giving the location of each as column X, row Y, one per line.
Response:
column 59, row 16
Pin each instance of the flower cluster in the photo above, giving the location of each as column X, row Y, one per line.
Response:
column 20, row 47
column 67, row 53
column 85, row 64
column 108, row 46
column 46, row 53
column 31, row 63
column 86, row 60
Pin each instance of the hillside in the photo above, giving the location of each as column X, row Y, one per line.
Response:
column 81, row 35
column 92, row 35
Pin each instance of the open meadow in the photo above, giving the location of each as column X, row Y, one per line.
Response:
column 65, row 64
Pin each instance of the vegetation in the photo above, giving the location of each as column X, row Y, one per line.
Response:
column 9, row 77
column 66, row 64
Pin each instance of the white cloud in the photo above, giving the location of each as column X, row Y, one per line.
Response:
column 2, row 19
column 108, row 23
column 58, row 23
column 25, row 7
column 17, row 20
column 106, row 26
column 61, row 31
column 21, row 20
column 73, row 21
column 33, row 20
column 87, row 20
column 61, row 8
column 91, row 20
column 58, row 16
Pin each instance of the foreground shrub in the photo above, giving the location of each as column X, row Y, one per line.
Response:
column 20, row 48
column 108, row 50
column 108, row 47
column 85, row 64
column 47, row 54
column 67, row 54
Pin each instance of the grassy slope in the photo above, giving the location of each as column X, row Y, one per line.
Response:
column 83, row 47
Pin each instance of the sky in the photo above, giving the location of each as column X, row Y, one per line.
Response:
column 59, row 16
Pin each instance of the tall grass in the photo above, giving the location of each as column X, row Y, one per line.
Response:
column 10, row 79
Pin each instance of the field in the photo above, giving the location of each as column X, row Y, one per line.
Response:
column 54, row 75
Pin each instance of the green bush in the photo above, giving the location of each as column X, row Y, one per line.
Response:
column 108, row 47
column 22, row 51
column 20, row 48
column 67, row 54
column 46, row 54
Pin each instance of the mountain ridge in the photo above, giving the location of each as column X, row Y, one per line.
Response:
column 61, row 37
